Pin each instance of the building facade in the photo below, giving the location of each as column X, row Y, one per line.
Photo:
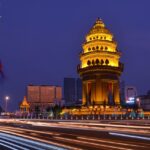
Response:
column 41, row 97
column 69, row 91
column 72, row 91
column 130, row 94
column 100, row 67
column 78, row 91
column 143, row 101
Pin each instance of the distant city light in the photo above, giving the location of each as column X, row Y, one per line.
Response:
column 130, row 100
column 7, row 98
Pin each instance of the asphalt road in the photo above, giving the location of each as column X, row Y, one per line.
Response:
column 71, row 135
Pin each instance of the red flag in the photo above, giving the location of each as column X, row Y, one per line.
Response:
column 1, row 70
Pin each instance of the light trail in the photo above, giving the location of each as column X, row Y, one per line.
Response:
column 88, row 126
column 106, row 141
column 91, row 143
column 130, row 136
column 82, row 126
column 11, row 144
column 19, row 142
column 8, row 146
column 107, row 125
column 20, row 130
column 34, row 139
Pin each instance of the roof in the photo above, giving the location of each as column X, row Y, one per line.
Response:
column 99, row 27
column 24, row 102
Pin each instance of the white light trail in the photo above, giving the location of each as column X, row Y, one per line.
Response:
column 8, row 146
column 32, row 142
column 17, row 146
column 130, row 136
column 91, row 143
column 19, row 142
column 107, row 141
column 40, row 141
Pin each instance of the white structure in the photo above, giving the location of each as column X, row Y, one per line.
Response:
column 130, row 94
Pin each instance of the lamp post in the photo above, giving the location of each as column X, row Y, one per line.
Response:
column 6, row 101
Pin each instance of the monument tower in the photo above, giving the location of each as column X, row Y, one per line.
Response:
column 100, row 67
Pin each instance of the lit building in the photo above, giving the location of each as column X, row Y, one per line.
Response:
column 100, row 72
column 100, row 67
column 130, row 94
column 24, row 105
column 43, row 96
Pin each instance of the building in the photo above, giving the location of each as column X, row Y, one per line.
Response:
column 100, row 70
column 41, row 97
column 100, row 67
column 69, row 91
column 72, row 91
column 130, row 94
column 78, row 91
column 143, row 101
column 24, row 105
column 122, row 93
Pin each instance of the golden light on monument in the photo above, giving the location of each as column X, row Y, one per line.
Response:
column 100, row 67
column 100, row 70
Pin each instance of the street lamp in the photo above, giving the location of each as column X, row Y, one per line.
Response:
column 6, row 101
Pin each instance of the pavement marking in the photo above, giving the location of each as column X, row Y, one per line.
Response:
column 130, row 136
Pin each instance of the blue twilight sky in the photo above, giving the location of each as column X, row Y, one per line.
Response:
column 40, row 40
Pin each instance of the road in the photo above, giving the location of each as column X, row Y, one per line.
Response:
column 74, row 135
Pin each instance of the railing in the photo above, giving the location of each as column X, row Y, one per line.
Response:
column 89, row 117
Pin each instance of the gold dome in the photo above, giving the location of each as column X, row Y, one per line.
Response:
column 99, row 27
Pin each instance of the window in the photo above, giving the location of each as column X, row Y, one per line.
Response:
column 106, row 48
column 102, row 48
column 89, row 48
column 93, row 62
column 88, row 62
column 106, row 61
column 102, row 61
column 97, row 61
column 93, row 48
column 97, row 47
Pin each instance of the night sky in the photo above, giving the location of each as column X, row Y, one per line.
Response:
column 40, row 41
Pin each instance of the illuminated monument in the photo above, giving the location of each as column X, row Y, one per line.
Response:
column 100, row 70
column 100, row 67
